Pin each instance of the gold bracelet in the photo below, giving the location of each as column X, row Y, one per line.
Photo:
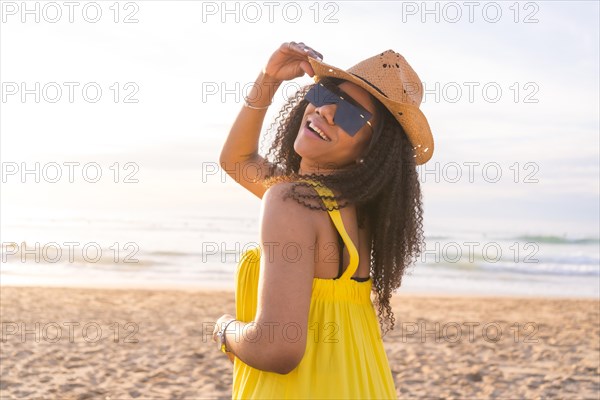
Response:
column 256, row 108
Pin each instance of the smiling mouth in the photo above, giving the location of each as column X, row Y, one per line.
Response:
column 317, row 131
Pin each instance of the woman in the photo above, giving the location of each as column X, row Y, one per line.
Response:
column 346, row 151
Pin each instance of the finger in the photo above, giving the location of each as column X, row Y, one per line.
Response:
column 306, row 67
column 312, row 52
column 302, row 50
column 296, row 47
column 316, row 54
column 287, row 46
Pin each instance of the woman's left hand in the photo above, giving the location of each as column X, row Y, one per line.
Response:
column 220, row 322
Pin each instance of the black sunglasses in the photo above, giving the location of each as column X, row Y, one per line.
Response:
column 348, row 115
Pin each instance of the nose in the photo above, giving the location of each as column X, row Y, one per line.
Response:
column 327, row 111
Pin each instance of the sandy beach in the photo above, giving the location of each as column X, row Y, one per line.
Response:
column 60, row 343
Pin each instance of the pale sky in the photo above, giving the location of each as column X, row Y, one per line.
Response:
column 178, row 48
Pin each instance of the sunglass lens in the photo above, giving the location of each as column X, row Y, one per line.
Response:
column 349, row 117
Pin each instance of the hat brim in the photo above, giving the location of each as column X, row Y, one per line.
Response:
column 411, row 118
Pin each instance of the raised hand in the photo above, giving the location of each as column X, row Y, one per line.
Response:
column 290, row 61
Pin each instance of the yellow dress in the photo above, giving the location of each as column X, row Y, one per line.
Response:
column 344, row 357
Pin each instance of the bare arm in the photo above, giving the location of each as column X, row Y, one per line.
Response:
column 241, row 147
column 284, row 287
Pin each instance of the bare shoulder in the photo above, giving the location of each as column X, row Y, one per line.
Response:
column 279, row 197
column 278, row 203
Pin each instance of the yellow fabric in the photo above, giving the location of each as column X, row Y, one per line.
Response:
column 344, row 358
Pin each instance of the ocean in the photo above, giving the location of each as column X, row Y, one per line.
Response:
column 202, row 251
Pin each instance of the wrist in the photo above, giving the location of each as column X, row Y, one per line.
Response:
column 222, row 336
column 263, row 91
column 265, row 77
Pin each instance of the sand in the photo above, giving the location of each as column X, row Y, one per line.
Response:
column 155, row 344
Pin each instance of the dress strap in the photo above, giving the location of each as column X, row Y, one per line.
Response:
column 336, row 217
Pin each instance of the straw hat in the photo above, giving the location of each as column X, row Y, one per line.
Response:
column 393, row 82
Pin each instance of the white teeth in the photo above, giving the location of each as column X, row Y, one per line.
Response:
column 318, row 131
